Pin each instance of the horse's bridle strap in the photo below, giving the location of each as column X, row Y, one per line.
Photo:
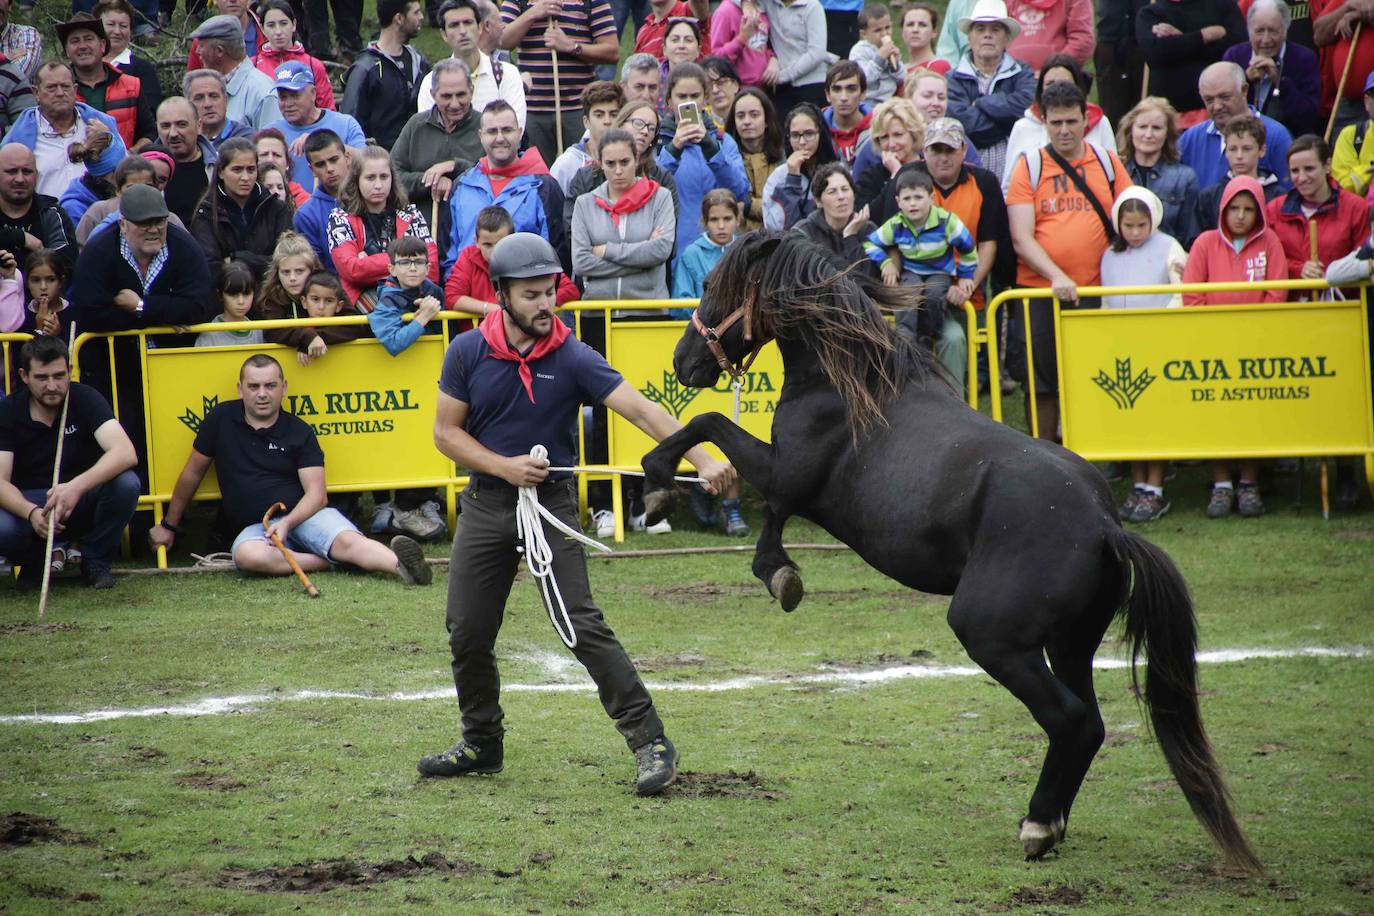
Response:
column 713, row 336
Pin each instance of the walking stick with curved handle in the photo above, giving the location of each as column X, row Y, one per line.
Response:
column 310, row 588
column 1345, row 74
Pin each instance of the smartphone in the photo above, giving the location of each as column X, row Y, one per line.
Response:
column 689, row 113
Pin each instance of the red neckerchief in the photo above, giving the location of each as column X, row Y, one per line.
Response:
column 493, row 328
column 640, row 193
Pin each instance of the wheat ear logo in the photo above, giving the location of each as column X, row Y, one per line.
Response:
column 1126, row 388
column 192, row 419
column 674, row 398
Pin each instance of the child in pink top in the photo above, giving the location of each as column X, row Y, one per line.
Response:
column 739, row 33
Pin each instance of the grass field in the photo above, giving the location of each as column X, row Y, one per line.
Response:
column 820, row 773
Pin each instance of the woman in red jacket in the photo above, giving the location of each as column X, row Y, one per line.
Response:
column 1341, row 218
column 373, row 211
column 279, row 25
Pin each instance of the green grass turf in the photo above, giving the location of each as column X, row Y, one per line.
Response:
column 901, row 797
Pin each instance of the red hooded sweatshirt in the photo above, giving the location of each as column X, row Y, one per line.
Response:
column 1214, row 258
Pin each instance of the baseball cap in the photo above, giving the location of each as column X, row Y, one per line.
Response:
column 1369, row 83
column 946, row 131
column 140, row 203
column 293, row 75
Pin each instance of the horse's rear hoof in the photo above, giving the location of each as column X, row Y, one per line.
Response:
column 656, row 505
column 786, row 586
column 1038, row 839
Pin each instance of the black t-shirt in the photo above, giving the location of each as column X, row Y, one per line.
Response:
column 257, row 467
column 34, row 443
column 185, row 189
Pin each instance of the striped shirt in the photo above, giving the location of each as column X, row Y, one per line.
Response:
column 23, row 46
column 581, row 20
column 928, row 250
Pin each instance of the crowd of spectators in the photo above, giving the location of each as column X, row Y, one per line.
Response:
column 956, row 151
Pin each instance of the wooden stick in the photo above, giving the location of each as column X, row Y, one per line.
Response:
column 56, row 473
column 1326, row 492
column 310, row 588
column 1145, row 83
column 1345, row 74
column 558, row 102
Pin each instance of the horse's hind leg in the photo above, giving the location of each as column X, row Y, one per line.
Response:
column 995, row 632
column 1071, row 659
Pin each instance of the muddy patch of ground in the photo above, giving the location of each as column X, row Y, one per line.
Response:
column 318, row 877
column 653, row 663
column 217, row 782
column 1052, row 894
column 723, row 785
column 881, row 660
column 20, row 829
column 1354, row 534
column 24, row 629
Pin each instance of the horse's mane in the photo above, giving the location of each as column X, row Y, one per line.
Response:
column 802, row 294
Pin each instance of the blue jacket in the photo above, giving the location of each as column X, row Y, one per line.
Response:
column 77, row 199
column 693, row 266
column 25, row 129
column 1201, row 149
column 312, row 221
column 1176, row 185
column 988, row 119
column 533, row 200
column 701, row 167
column 392, row 302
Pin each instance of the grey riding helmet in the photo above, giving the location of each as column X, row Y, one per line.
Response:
column 522, row 255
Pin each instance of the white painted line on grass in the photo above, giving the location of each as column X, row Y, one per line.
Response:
column 217, row 706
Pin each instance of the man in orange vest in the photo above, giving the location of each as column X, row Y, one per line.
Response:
column 103, row 86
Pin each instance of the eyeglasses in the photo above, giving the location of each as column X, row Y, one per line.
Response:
column 801, row 136
column 641, row 124
column 411, row 262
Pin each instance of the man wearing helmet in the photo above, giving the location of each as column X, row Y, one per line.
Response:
column 516, row 381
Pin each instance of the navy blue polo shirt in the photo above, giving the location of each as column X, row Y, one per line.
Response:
column 34, row 444
column 257, row 467
column 501, row 416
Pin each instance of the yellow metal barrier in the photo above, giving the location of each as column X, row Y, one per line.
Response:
column 1226, row 381
column 9, row 344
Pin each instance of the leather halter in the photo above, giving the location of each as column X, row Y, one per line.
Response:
column 713, row 336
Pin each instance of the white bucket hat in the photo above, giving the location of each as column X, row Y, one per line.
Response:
column 990, row 11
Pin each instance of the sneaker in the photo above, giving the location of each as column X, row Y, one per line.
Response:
column 1127, row 509
column 604, row 520
column 657, row 766
column 381, row 519
column 659, row 527
column 410, row 561
column 434, row 513
column 703, row 506
column 464, row 759
column 731, row 519
column 414, row 523
column 1248, row 502
column 1150, row 507
column 1222, row 502
column 97, row 573
column 58, row 561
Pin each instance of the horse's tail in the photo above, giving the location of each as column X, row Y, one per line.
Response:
column 1159, row 618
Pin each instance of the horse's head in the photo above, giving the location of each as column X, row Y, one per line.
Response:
column 727, row 329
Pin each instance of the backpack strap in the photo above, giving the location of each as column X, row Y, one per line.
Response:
column 1072, row 175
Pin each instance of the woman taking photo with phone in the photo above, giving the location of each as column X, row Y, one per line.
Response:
column 695, row 150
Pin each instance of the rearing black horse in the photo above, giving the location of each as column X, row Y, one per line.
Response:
column 871, row 443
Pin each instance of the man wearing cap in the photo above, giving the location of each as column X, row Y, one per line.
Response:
column 30, row 221
column 249, row 26
column 179, row 136
column 252, row 98
column 517, row 381
column 208, row 92
column 1352, row 160
column 102, row 85
column 295, row 86
column 975, row 196
column 147, row 274
column 380, row 87
column 58, row 121
column 989, row 90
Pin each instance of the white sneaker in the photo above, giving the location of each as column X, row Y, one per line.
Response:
column 659, row 527
column 414, row 523
column 434, row 514
column 604, row 520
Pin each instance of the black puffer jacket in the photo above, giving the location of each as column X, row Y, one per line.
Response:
column 248, row 235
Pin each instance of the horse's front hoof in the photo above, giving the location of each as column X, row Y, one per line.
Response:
column 656, row 505
column 1037, row 839
column 786, row 586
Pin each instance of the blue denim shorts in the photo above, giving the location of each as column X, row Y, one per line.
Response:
column 314, row 535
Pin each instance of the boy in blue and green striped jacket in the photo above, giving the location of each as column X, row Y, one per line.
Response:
column 917, row 248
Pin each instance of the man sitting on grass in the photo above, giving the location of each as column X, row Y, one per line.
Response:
column 269, row 456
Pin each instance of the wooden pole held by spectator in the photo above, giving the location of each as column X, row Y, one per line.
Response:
column 558, row 104
column 310, row 588
column 1340, row 87
column 1312, row 248
column 56, row 479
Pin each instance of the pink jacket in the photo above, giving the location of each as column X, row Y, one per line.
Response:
column 269, row 59
column 1050, row 27
column 12, row 303
column 749, row 60
column 1214, row 258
